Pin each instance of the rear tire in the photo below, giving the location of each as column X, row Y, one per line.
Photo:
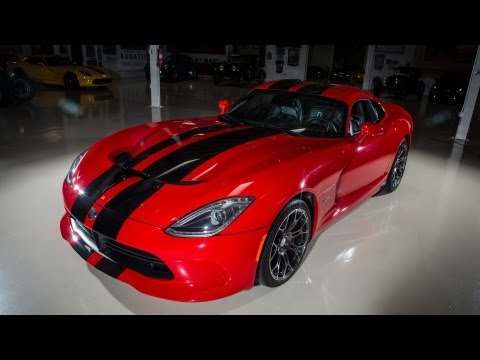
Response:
column 285, row 245
column 398, row 167
column 174, row 76
column 23, row 89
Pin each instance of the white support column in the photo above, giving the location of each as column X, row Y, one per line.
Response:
column 470, row 100
column 367, row 77
column 84, row 55
column 154, row 76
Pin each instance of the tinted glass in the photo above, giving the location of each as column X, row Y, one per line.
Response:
column 58, row 61
column 303, row 114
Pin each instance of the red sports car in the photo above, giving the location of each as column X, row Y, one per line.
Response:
column 199, row 209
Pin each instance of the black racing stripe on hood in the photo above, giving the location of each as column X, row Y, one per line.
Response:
column 171, row 141
column 110, row 268
column 81, row 250
column 284, row 84
column 113, row 175
column 173, row 167
column 85, row 201
column 316, row 89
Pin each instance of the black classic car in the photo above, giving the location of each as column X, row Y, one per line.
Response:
column 341, row 75
column 13, row 86
column 239, row 69
column 450, row 88
column 317, row 72
column 405, row 81
column 175, row 67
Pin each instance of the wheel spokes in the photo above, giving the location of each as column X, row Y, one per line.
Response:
column 289, row 244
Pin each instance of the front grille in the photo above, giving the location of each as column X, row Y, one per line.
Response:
column 102, row 81
column 141, row 261
column 138, row 260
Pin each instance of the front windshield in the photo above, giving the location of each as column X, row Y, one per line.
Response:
column 58, row 61
column 299, row 113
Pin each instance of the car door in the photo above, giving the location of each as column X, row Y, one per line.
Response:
column 369, row 160
column 36, row 69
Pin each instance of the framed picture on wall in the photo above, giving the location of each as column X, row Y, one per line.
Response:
column 293, row 56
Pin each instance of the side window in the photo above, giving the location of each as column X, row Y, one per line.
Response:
column 361, row 112
column 35, row 60
column 371, row 111
column 378, row 109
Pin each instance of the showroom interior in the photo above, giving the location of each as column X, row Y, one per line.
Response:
column 414, row 251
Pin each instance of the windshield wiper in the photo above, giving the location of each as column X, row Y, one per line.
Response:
column 230, row 119
column 289, row 132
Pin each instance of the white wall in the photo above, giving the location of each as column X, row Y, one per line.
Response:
column 289, row 72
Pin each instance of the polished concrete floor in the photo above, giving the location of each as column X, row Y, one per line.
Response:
column 415, row 251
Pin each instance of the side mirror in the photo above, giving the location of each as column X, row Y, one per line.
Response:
column 224, row 105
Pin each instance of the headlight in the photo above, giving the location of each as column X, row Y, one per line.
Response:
column 74, row 167
column 220, row 68
column 11, row 74
column 210, row 219
column 459, row 90
column 86, row 73
column 234, row 68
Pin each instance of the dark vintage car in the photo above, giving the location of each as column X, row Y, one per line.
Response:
column 406, row 81
column 341, row 75
column 316, row 72
column 13, row 86
column 240, row 69
column 175, row 67
column 450, row 88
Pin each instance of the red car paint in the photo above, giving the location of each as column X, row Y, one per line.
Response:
column 340, row 173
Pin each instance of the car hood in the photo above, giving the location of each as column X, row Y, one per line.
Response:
column 217, row 161
column 94, row 70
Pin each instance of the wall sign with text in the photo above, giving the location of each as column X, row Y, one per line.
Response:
column 392, row 49
column 132, row 59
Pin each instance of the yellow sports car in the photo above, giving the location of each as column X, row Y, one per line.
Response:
column 59, row 70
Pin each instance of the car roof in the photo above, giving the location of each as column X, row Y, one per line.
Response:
column 344, row 93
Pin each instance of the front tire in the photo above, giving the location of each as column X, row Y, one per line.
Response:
column 285, row 245
column 70, row 81
column 398, row 167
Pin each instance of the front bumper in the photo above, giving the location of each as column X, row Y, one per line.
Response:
column 194, row 269
column 93, row 81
